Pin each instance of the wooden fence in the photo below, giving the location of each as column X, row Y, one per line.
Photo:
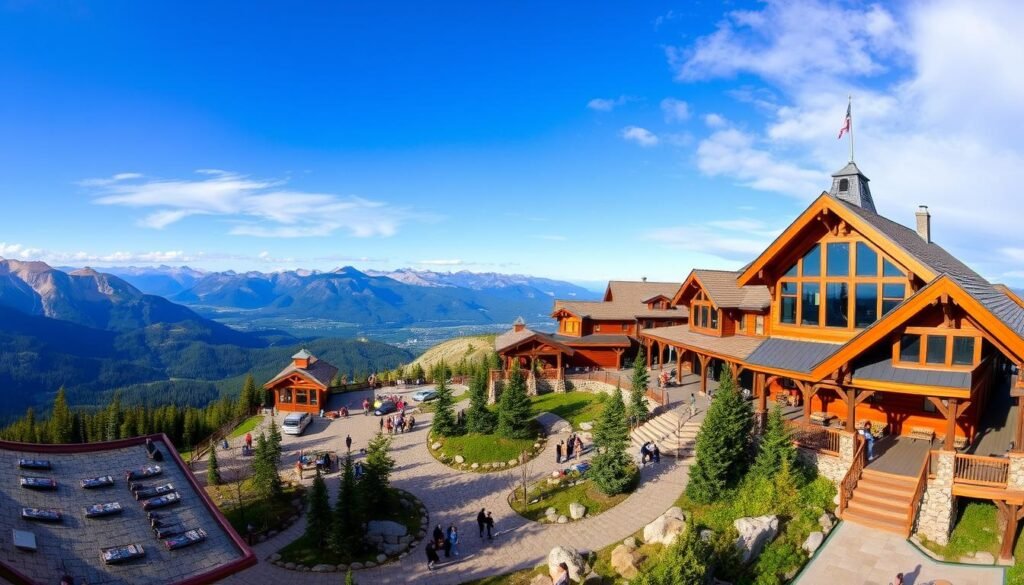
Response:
column 980, row 470
column 820, row 439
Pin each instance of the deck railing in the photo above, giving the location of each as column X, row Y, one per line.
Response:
column 610, row 378
column 915, row 501
column 981, row 470
column 820, row 439
column 852, row 476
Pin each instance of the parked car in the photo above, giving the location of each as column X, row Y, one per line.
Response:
column 424, row 395
column 386, row 407
column 296, row 423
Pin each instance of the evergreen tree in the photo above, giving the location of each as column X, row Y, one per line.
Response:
column 514, row 408
column 377, row 477
column 113, row 418
column 346, row 529
column 29, row 434
column 722, row 443
column 249, row 398
column 444, row 424
column 776, row 446
column 349, row 579
column 318, row 520
column 613, row 471
column 685, row 563
column 212, row 468
column 637, row 410
column 61, row 420
column 479, row 418
column 266, row 481
column 417, row 372
column 274, row 439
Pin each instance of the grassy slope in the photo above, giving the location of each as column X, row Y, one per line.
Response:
column 472, row 348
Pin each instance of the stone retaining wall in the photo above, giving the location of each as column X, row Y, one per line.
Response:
column 830, row 466
column 592, row 386
column 938, row 506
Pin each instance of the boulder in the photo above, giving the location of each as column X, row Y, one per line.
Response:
column 665, row 529
column 556, row 474
column 382, row 558
column 826, row 521
column 290, row 566
column 569, row 556
column 536, row 445
column 356, row 566
column 577, row 510
column 754, row 534
column 369, row 565
column 436, row 445
column 586, row 426
column 551, row 511
column 629, row 542
column 323, row 568
column 475, row 466
column 624, row 561
column 813, row 541
column 342, row 567
column 513, row 462
column 563, row 520
column 386, row 528
column 540, row 580
column 275, row 557
column 706, row 535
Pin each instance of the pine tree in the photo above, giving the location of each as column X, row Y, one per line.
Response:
column 318, row 520
column 348, row 514
column 113, row 418
column 61, row 420
column 212, row 468
column 274, row 439
column 613, row 471
column 417, row 371
column 248, row 399
column 444, row 424
column 637, row 410
column 685, row 563
column 266, row 481
column 377, row 477
column 514, row 408
column 479, row 418
column 722, row 444
column 776, row 446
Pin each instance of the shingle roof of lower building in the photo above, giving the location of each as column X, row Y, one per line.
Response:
column 791, row 355
column 616, row 340
column 513, row 337
column 736, row 346
column 882, row 370
column 726, row 294
column 318, row 370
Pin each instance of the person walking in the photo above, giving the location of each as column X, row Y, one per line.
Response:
column 869, row 439
column 438, row 536
column 481, row 521
column 656, row 453
column 248, row 441
column 348, row 443
column 558, row 451
column 693, row 405
column 366, row 406
column 489, row 522
column 453, row 539
column 569, row 446
column 432, row 558
column 579, row 447
column 382, row 424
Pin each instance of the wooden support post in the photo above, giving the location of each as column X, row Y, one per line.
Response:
column 951, row 414
column 648, row 352
column 679, row 365
column 851, row 409
column 703, row 374
column 1010, row 513
column 618, row 357
column 558, row 364
column 807, row 396
column 762, row 399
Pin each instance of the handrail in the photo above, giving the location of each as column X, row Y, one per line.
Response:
column 915, row 502
column 852, row 476
column 821, row 439
column 981, row 470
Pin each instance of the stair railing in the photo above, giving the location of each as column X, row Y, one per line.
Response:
column 915, row 501
column 852, row 476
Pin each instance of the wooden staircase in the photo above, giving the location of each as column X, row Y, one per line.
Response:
column 883, row 501
column 673, row 436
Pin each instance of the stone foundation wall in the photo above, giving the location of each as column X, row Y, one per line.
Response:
column 830, row 466
column 938, row 506
column 1015, row 478
column 592, row 386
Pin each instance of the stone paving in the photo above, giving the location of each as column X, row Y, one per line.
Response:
column 857, row 555
column 454, row 497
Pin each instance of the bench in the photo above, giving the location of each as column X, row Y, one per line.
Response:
column 922, row 433
column 821, row 418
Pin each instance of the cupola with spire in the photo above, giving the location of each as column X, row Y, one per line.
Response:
column 850, row 185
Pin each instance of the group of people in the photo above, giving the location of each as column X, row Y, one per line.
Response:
column 448, row 540
column 565, row 450
column 649, row 451
column 398, row 423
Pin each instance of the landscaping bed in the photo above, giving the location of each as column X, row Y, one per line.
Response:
column 575, row 407
column 485, row 452
column 550, row 499
column 402, row 508
column 264, row 517
column 976, row 531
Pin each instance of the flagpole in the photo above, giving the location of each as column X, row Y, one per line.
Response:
column 850, row 107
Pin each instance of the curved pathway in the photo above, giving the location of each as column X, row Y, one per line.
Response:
column 454, row 497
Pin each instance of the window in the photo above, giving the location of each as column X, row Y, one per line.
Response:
column 836, row 305
column 936, row 354
column 844, row 185
column 704, row 317
column 741, row 323
column 625, row 326
column 313, row 396
column 866, row 305
column 929, row 406
column 300, row 396
column 892, row 295
column 963, row 351
column 714, row 318
column 810, row 304
column 910, row 348
column 286, row 395
column 788, row 313
column 838, row 259
column 889, row 269
column 759, row 325
column 812, row 262
column 867, row 260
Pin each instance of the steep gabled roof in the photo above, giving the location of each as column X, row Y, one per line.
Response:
column 725, row 291
column 513, row 338
column 319, row 372
column 625, row 301
column 637, row 291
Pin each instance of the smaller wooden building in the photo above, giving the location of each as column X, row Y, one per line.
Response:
column 303, row 385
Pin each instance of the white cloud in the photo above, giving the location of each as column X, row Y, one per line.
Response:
column 256, row 207
column 641, row 136
column 447, row 262
column 20, row 252
column 675, row 110
column 729, row 240
column 733, row 153
column 715, row 121
column 606, row 104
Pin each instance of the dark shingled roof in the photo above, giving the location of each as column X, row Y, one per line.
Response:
column 318, row 370
column 727, row 294
column 792, row 355
column 882, row 370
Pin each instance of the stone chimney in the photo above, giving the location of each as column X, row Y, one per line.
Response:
column 519, row 325
column 924, row 223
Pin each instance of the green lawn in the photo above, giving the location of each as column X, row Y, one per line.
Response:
column 977, row 530
column 303, row 552
column 247, row 425
column 575, row 407
column 477, row 448
column 262, row 515
column 559, row 497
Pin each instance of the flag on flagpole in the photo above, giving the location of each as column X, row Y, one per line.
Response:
column 847, row 122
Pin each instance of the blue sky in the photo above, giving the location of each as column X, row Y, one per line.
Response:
column 574, row 140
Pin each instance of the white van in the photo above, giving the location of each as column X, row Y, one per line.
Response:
column 295, row 423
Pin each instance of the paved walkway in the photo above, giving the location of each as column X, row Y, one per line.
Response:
column 856, row 555
column 456, row 497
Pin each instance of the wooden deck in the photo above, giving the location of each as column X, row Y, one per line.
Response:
column 900, row 455
column 995, row 434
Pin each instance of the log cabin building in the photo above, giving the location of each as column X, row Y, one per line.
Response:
column 303, row 385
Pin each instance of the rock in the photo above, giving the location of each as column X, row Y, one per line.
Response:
column 536, row 445
column 436, row 445
column 706, row 535
column 323, row 568
column 271, row 533
column 556, row 474
column 422, row 533
column 813, row 541
column 754, row 534
column 985, row 558
column 289, row 566
column 586, row 426
column 342, row 567
column 629, row 542
column 275, row 557
column 369, row 565
column 386, row 528
column 356, row 566
column 791, row 574
column 569, row 556
column 405, row 539
column 513, row 462
column 562, row 520
column 391, row 550
column 382, row 558
column 665, row 529
column 826, row 522
column 475, row 466
column 577, row 510
column 624, row 561
column 540, row 580
column 502, row 464
column 551, row 511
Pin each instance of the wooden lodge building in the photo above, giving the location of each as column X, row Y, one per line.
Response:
column 303, row 385
column 847, row 318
